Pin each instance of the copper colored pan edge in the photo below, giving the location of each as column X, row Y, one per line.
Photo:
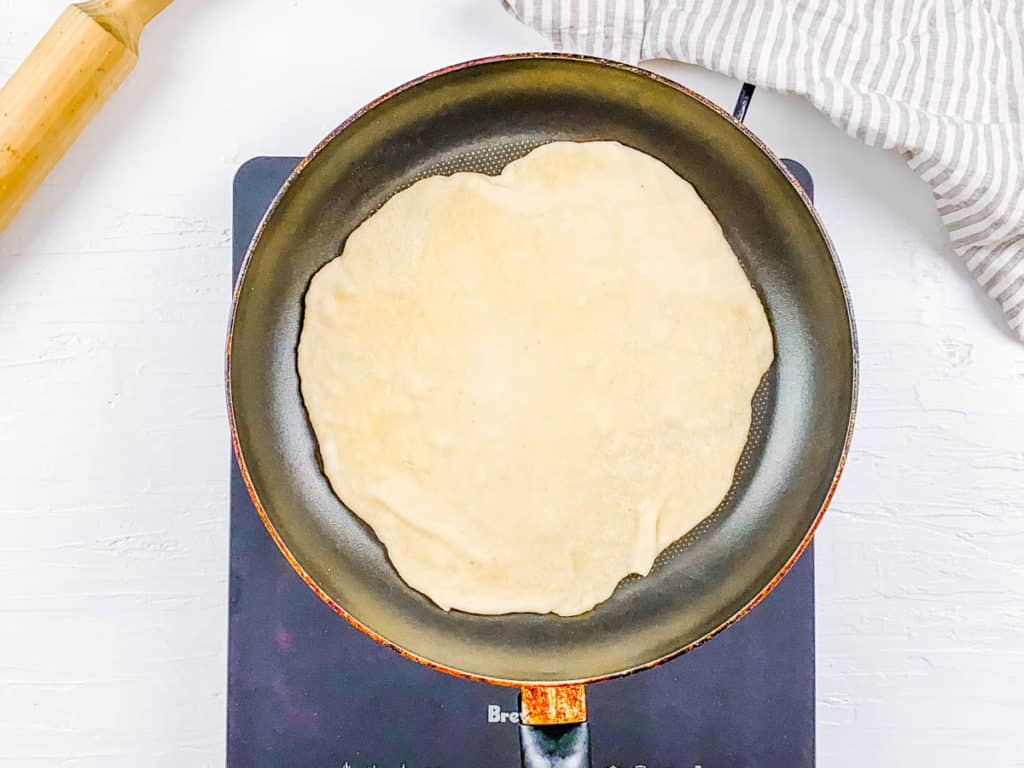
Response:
column 805, row 542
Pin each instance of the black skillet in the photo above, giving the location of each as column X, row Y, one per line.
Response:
column 479, row 116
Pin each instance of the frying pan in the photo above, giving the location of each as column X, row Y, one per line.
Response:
column 479, row 116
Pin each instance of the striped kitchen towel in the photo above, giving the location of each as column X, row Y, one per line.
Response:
column 941, row 81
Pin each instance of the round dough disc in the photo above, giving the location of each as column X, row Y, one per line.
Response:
column 528, row 385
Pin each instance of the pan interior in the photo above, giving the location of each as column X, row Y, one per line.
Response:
column 478, row 119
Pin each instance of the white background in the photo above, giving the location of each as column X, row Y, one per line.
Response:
column 114, row 292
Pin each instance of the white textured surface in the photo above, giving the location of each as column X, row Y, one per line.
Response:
column 113, row 441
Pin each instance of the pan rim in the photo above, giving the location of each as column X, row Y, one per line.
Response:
column 236, row 296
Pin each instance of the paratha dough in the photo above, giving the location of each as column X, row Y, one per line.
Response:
column 528, row 385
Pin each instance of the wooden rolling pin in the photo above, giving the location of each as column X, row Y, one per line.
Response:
column 69, row 75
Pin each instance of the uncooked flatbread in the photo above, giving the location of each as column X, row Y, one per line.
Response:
column 528, row 385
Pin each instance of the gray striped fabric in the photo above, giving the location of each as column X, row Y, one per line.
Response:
column 941, row 81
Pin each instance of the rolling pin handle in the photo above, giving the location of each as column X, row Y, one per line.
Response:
column 65, row 80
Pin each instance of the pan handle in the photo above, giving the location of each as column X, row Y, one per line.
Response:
column 553, row 731
column 743, row 101
column 555, row 746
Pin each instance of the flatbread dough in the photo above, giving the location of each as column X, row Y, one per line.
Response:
column 528, row 385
